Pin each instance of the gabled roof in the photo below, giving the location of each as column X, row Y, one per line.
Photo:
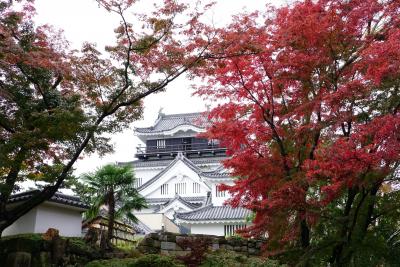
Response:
column 191, row 165
column 56, row 198
column 171, row 121
column 181, row 200
column 214, row 213
column 162, row 163
column 155, row 178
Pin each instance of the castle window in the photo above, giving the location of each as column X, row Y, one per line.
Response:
column 164, row 189
column 161, row 143
column 213, row 142
column 138, row 182
column 230, row 229
column 180, row 188
column 196, row 188
column 218, row 192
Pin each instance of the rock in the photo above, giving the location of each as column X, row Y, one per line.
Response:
column 169, row 237
column 252, row 251
column 154, row 236
column 58, row 249
column 168, row 245
column 50, row 234
column 164, row 252
column 180, row 253
column 214, row 246
column 18, row 259
column 45, row 259
column 237, row 249
column 148, row 250
column 92, row 236
column 251, row 244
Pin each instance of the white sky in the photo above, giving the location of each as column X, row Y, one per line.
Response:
column 83, row 20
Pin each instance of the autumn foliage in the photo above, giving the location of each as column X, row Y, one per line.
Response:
column 311, row 120
column 57, row 103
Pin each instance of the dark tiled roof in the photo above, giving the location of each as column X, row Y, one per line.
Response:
column 164, row 200
column 216, row 175
column 180, row 199
column 212, row 213
column 57, row 198
column 162, row 163
column 171, row 121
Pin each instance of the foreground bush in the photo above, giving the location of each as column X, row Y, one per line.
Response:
column 223, row 258
column 111, row 263
column 151, row 260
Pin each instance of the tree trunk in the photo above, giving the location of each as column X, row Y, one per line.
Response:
column 111, row 218
column 356, row 229
column 337, row 251
column 11, row 179
column 305, row 234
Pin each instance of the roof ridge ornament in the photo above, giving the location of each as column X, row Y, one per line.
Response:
column 160, row 112
column 179, row 155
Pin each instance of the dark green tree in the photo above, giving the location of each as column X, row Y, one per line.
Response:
column 113, row 187
column 56, row 103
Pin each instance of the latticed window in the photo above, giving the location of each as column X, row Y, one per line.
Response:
column 218, row 192
column 196, row 188
column 180, row 188
column 161, row 143
column 164, row 189
column 230, row 229
column 138, row 182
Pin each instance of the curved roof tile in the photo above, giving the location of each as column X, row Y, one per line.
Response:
column 211, row 212
column 171, row 121
column 57, row 198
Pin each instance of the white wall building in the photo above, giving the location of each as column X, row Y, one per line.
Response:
column 61, row 212
column 178, row 173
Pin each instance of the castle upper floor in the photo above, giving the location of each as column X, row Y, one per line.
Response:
column 174, row 133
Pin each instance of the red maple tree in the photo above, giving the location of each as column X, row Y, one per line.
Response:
column 310, row 119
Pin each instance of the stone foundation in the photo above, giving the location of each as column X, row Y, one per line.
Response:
column 168, row 244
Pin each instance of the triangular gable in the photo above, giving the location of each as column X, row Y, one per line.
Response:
column 178, row 202
column 180, row 166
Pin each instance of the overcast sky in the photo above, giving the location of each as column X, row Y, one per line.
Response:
column 83, row 20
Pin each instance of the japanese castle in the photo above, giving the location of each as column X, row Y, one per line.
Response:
column 178, row 173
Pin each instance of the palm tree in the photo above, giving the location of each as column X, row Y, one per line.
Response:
column 112, row 186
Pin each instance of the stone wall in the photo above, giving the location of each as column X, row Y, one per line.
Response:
column 34, row 251
column 168, row 244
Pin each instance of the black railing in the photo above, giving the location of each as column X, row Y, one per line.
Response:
column 191, row 147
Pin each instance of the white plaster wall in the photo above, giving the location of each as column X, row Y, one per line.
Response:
column 207, row 229
column 66, row 220
column 146, row 174
column 171, row 188
column 153, row 221
column 25, row 224
column 219, row 201
column 178, row 173
column 156, row 220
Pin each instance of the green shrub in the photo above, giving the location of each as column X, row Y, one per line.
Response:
column 151, row 260
column 154, row 260
column 224, row 258
column 111, row 263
